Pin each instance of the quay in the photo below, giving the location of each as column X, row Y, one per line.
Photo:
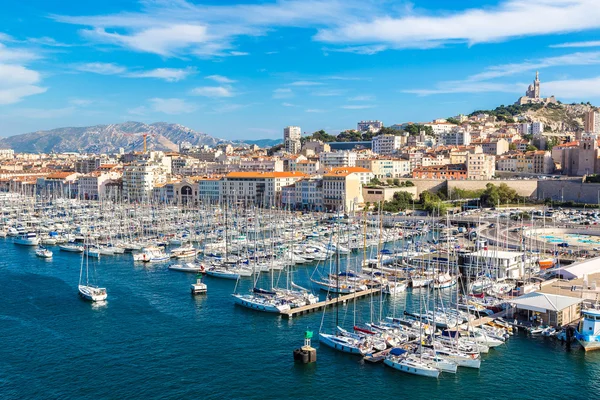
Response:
column 324, row 304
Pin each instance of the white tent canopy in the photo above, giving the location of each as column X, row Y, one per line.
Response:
column 542, row 302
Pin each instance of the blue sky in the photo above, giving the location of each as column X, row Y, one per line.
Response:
column 246, row 69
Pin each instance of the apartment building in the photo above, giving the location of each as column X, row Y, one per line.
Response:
column 140, row 178
column 342, row 188
column 480, row 166
column 262, row 188
column 387, row 144
column 335, row 159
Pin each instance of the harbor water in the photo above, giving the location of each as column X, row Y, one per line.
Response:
column 152, row 339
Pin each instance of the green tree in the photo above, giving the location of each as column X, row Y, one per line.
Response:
column 531, row 147
column 396, row 182
column 453, row 120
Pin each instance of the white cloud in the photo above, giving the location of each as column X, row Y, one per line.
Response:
column 480, row 82
column 314, row 110
column 283, row 93
column 288, row 105
column 11, row 55
column 213, row 91
column 168, row 74
column 220, row 79
column 225, row 108
column 47, row 41
column 172, row 106
column 18, row 82
column 583, row 89
column 362, row 98
column 80, row 102
column 101, row 68
column 165, row 41
column 580, row 58
column 329, row 92
column 592, row 43
column 178, row 27
column 509, row 19
column 305, row 83
column 357, row 106
column 468, row 87
column 141, row 110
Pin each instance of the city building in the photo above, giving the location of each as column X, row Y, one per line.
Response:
column 342, row 188
column 387, row 144
column 447, row 172
column 456, row 137
column 209, row 189
column 261, row 188
column 369, row 126
column 336, row 159
column 291, row 139
column 579, row 158
column 591, row 122
column 480, row 166
column 140, row 178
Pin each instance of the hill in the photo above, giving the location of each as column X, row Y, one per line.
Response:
column 108, row 138
column 556, row 117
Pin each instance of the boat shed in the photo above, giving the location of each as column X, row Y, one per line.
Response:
column 552, row 309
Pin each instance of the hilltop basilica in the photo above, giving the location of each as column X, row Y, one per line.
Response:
column 532, row 96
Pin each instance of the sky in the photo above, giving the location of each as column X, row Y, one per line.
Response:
column 246, row 69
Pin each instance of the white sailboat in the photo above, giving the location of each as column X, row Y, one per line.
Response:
column 87, row 290
column 43, row 252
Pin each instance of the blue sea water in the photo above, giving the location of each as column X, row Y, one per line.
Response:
column 152, row 339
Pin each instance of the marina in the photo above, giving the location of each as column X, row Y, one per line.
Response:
column 320, row 271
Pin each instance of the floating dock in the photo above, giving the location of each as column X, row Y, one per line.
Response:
column 324, row 304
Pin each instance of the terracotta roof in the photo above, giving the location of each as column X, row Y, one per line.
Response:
column 60, row 175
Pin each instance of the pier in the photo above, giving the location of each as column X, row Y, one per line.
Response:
column 324, row 304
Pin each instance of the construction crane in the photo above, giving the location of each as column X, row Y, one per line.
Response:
column 145, row 136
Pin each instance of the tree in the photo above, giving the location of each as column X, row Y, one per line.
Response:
column 396, row 182
column 375, row 182
column 512, row 146
column 408, row 184
column 531, row 147
column 553, row 141
column 453, row 120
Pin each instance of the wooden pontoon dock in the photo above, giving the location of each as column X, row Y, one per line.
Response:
column 324, row 304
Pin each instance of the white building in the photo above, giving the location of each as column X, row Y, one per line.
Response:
column 369, row 126
column 439, row 128
column 209, row 190
column 262, row 188
column 140, row 178
column 386, row 144
column 531, row 128
column 456, row 137
column 291, row 139
column 92, row 186
column 338, row 159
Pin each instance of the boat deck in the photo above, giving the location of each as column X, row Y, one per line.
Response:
column 324, row 304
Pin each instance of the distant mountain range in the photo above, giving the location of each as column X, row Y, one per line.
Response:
column 108, row 138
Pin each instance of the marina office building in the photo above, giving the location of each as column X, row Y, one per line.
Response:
column 496, row 263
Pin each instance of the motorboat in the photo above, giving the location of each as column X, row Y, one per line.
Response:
column 43, row 252
column 71, row 247
column 187, row 267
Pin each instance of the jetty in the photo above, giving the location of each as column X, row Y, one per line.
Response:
column 330, row 302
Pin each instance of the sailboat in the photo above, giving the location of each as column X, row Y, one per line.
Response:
column 86, row 290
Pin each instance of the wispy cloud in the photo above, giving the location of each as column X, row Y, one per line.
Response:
column 580, row 89
column 306, row 83
column 509, row 19
column 468, row 87
column 592, row 43
column 178, row 27
column 213, row 91
column 288, row 105
column 283, row 93
column 362, row 98
column 220, row 79
column 101, row 68
column 16, row 55
column 357, row 106
column 172, row 106
column 329, row 92
column 168, row 74
column 315, row 110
